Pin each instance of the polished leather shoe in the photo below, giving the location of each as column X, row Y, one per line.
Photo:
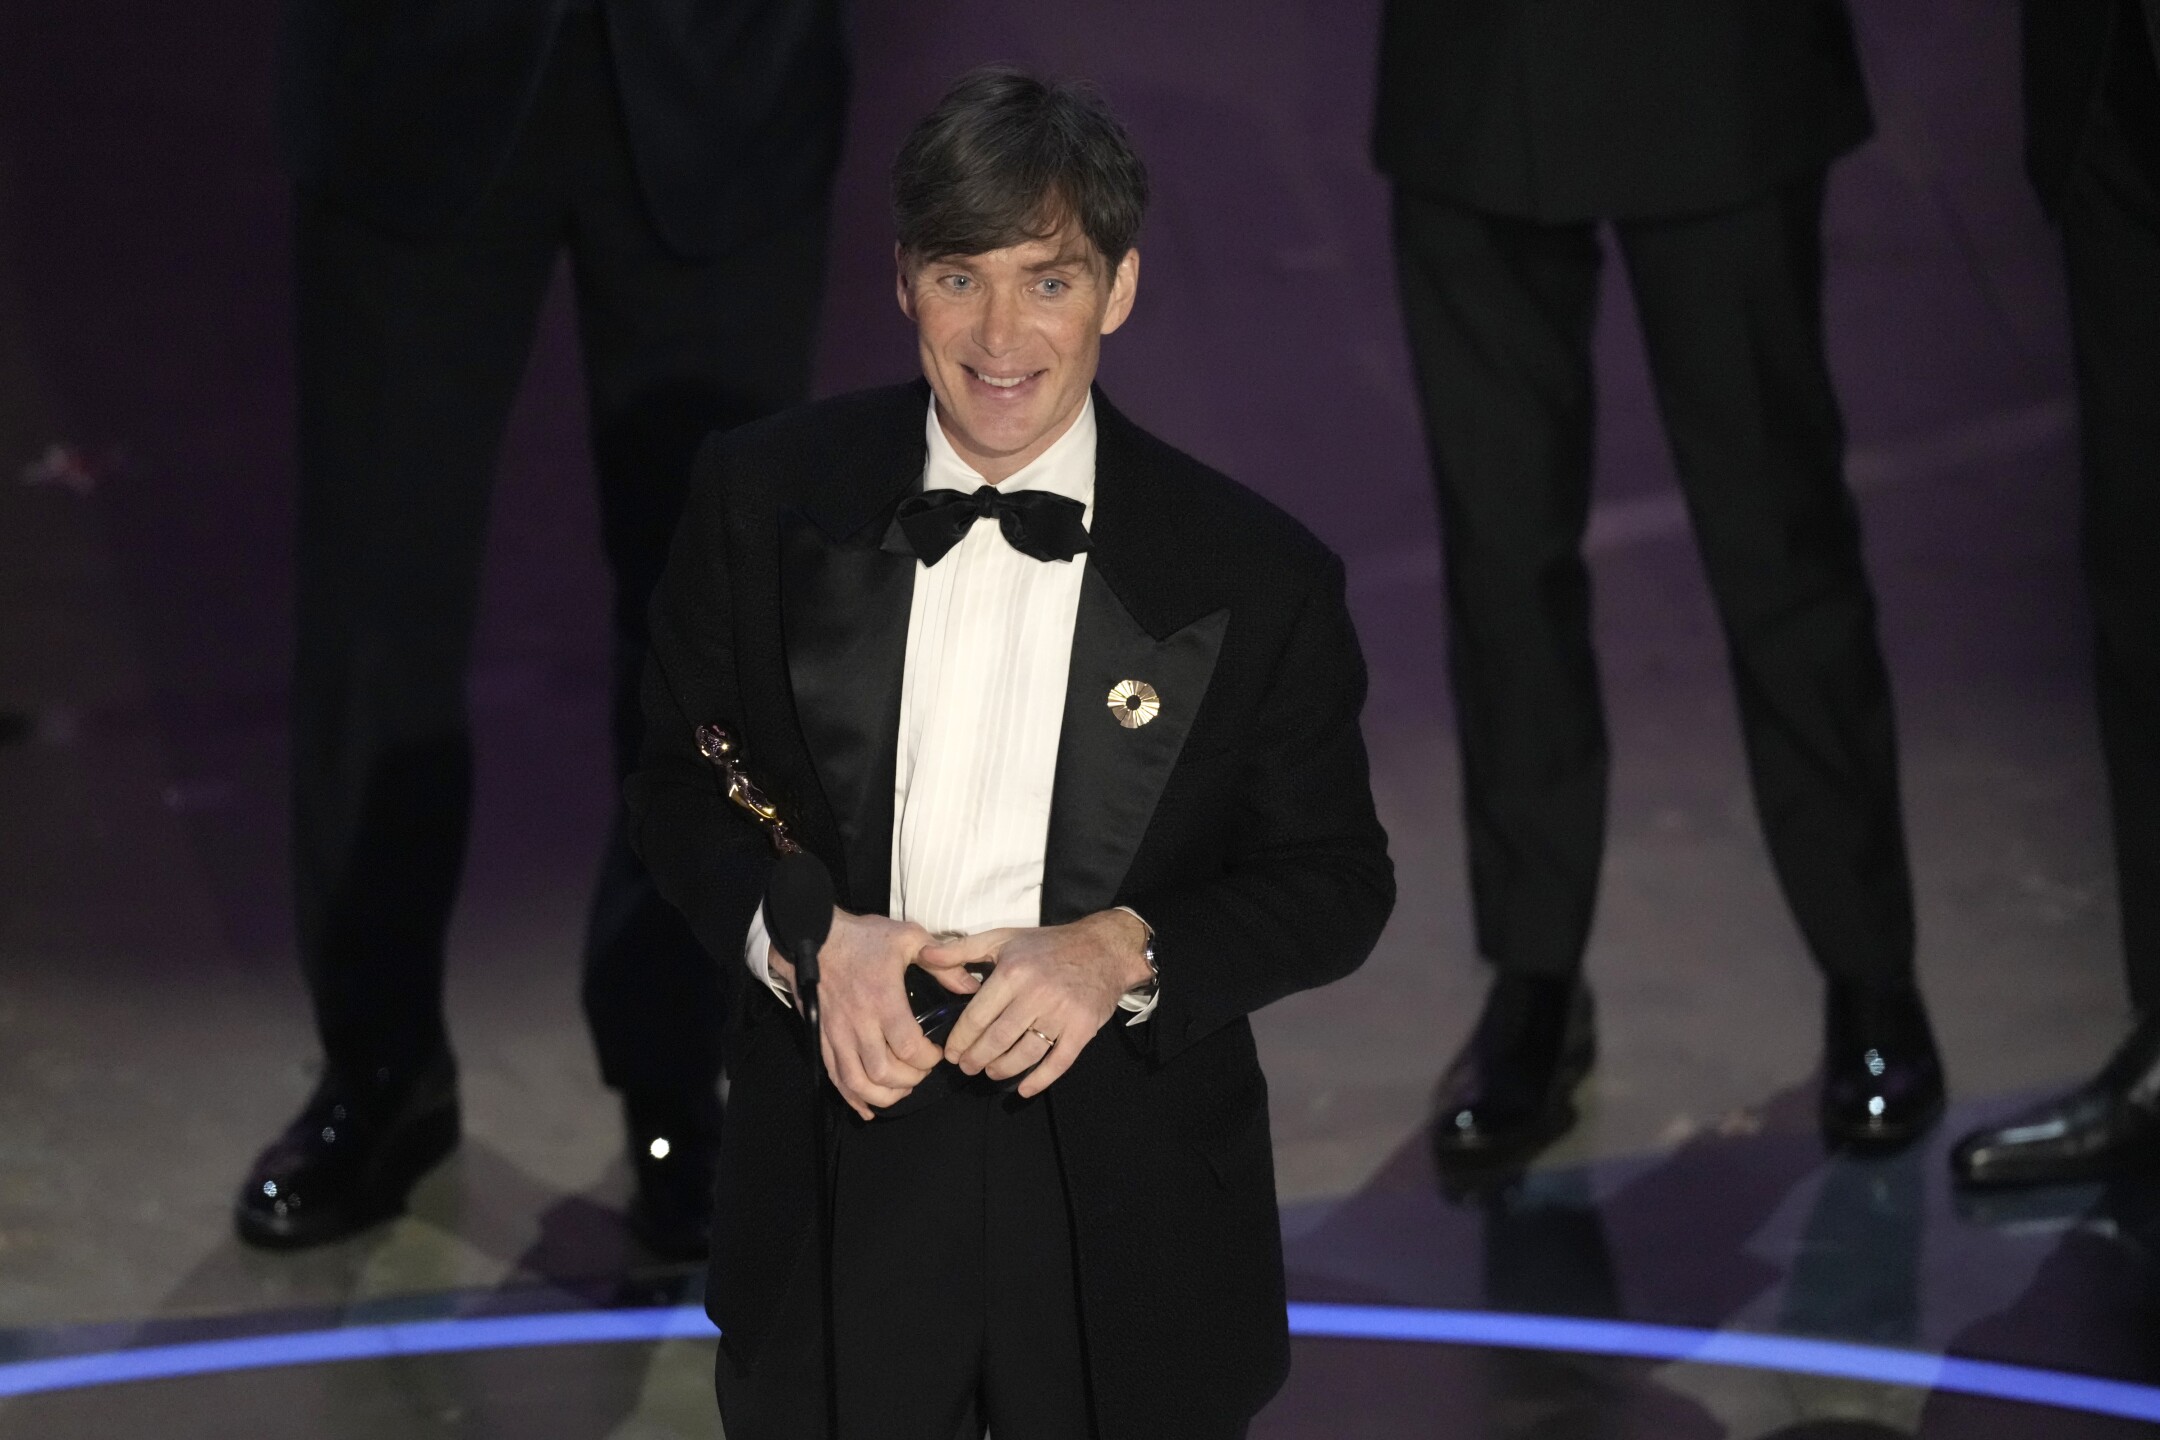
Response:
column 2110, row 1125
column 674, row 1154
column 351, row 1158
column 1511, row 1088
column 1882, row 1080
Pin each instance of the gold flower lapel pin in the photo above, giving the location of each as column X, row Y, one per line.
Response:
column 1134, row 703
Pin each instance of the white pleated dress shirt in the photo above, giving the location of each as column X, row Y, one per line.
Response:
column 982, row 703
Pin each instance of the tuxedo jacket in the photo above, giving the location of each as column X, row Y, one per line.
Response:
column 1239, row 822
column 2069, row 51
column 402, row 111
column 1568, row 110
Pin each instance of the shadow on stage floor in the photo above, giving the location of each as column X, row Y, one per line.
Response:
column 1543, row 1299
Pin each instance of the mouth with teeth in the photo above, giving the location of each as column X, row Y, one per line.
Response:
column 1004, row 387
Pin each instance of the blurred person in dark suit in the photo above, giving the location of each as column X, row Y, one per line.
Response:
column 1700, row 131
column 2092, row 148
column 445, row 154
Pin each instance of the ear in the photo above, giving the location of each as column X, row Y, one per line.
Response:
column 903, row 283
column 1124, row 288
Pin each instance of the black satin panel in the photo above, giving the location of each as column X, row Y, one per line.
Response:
column 844, row 616
column 1109, row 777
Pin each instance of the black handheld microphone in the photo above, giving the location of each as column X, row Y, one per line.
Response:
column 798, row 916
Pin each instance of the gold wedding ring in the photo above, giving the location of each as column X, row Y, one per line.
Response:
column 1050, row 1040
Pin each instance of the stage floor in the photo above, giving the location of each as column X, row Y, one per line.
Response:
column 1687, row 1263
column 1735, row 1286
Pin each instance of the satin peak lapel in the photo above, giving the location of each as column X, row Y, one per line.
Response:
column 844, row 616
column 1110, row 773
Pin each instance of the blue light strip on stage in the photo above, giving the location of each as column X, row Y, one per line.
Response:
column 1619, row 1338
column 358, row 1342
column 1790, row 1354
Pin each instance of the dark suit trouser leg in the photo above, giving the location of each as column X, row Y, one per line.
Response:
column 409, row 357
column 1500, row 314
column 1731, row 316
column 956, row 1298
column 674, row 350
column 2111, row 243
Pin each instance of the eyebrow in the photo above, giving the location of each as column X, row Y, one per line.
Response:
column 1066, row 259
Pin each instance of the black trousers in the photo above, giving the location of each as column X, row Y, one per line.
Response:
column 2111, row 248
column 1500, row 312
column 410, row 355
column 955, row 1299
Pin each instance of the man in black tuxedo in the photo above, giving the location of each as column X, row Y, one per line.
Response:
column 2092, row 147
column 1109, row 742
column 446, row 154
column 1700, row 130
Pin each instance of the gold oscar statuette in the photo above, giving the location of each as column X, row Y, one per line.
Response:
column 718, row 744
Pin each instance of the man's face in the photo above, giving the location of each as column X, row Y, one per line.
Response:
column 1010, row 341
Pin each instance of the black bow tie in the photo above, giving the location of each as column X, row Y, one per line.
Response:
column 1034, row 522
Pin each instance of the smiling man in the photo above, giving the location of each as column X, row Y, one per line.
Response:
column 1057, row 705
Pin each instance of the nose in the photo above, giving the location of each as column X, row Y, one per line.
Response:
column 997, row 328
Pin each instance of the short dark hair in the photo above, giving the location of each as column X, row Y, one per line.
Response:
column 1006, row 158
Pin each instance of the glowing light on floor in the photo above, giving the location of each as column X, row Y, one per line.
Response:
column 1618, row 1338
column 1790, row 1354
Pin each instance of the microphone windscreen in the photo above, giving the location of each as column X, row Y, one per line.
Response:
column 799, row 904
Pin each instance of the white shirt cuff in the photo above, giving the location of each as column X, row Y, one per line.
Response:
column 1135, row 1006
column 757, row 954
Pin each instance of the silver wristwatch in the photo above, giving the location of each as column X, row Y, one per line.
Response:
column 1140, row 1001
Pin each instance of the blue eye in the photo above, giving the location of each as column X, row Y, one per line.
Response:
column 1054, row 287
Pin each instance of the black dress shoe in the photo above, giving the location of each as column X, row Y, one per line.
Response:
column 674, row 1154
column 2109, row 1125
column 351, row 1157
column 1511, row 1088
column 1882, row 1080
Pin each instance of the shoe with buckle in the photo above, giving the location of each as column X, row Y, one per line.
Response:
column 674, row 1154
column 1882, row 1084
column 1511, row 1088
column 351, row 1158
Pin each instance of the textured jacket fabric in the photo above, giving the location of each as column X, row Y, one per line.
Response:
column 1239, row 822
